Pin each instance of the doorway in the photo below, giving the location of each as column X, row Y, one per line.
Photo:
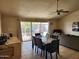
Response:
column 28, row 29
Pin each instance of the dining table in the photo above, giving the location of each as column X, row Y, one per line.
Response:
column 47, row 40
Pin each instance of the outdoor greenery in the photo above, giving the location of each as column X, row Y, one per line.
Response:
column 25, row 27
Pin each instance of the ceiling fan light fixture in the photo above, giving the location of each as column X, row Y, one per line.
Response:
column 58, row 13
column 61, row 10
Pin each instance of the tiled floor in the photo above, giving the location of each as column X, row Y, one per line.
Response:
column 65, row 53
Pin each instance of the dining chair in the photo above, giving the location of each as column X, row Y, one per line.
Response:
column 34, row 44
column 51, row 48
column 40, row 45
column 38, row 35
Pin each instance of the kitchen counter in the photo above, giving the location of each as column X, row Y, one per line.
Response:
column 12, row 40
column 12, row 45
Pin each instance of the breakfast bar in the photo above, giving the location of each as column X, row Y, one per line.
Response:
column 11, row 49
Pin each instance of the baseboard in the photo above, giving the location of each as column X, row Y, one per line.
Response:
column 70, row 47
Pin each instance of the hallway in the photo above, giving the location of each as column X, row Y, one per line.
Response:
column 65, row 53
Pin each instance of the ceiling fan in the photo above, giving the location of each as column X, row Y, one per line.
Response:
column 59, row 11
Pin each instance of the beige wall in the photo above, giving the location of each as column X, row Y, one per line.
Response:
column 53, row 25
column 52, row 22
column 0, row 23
column 66, row 23
column 9, row 25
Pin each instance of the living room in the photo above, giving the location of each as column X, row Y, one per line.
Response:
column 10, row 21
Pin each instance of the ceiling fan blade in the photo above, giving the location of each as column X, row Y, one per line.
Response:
column 65, row 11
column 52, row 13
column 59, row 11
column 62, row 10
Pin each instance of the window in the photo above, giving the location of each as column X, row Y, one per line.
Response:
column 30, row 28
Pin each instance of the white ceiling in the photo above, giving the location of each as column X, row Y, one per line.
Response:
column 36, row 8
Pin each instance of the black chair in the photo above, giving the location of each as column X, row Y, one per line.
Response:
column 34, row 44
column 55, row 33
column 54, row 36
column 33, row 41
column 37, row 34
column 40, row 45
column 52, row 47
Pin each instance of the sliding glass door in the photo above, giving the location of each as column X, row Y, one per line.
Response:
column 26, row 31
column 44, row 28
column 35, row 27
column 30, row 28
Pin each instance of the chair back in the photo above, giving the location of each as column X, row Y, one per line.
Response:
column 38, row 34
column 53, row 46
column 34, row 40
column 39, row 42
